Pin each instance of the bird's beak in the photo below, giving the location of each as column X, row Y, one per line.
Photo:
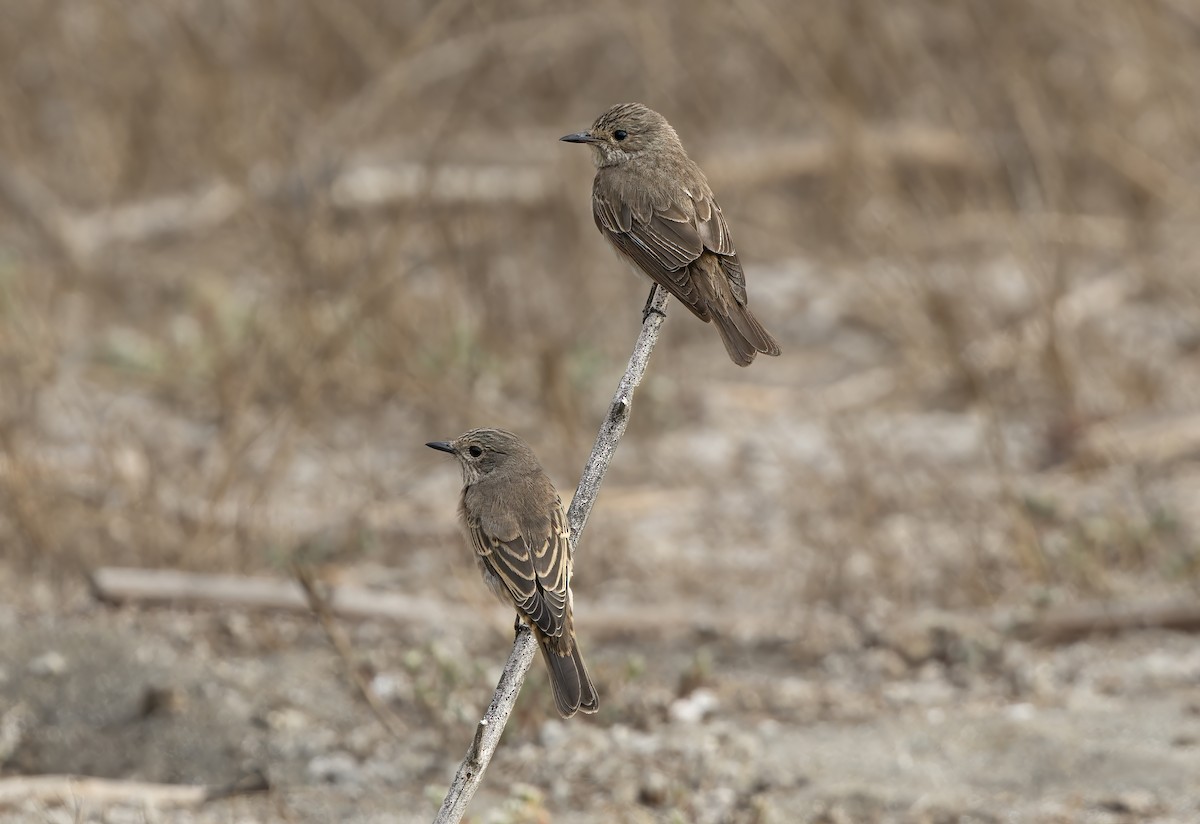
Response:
column 578, row 137
column 441, row 446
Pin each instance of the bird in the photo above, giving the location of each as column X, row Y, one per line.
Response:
column 654, row 204
column 514, row 520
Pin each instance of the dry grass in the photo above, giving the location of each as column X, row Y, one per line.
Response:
column 1000, row 195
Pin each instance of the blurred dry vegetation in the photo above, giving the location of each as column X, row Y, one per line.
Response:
column 254, row 254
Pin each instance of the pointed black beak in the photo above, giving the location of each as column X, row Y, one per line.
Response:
column 441, row 446
column 578, row 137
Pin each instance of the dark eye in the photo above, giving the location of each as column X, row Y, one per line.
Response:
column 620, row 134
column 475, row 451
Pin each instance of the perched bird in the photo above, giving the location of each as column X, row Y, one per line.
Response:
column 655, row 206
column 513, row 518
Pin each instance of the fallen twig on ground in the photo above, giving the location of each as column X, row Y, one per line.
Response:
column 172, row 587
column 167, row 586
column 1067, row 624
column 110, row 791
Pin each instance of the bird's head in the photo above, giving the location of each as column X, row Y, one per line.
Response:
column 481, row 452
column 625, row 132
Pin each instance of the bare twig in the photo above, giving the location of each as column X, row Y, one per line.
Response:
column 319, row 605
column 491, row 726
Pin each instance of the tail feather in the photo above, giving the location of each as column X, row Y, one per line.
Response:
column 569, row 679
column 589, row 701
column 743, row 336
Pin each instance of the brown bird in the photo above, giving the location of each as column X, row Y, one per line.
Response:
column 655, row 206
column 514, row 519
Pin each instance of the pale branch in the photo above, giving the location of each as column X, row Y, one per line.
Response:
column 76, row 788
column 119, row 585
column 491, row 726
column 617, row 420
column 1068, row 624
column 72, row 788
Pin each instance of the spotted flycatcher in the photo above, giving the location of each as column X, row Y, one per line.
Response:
column 655, row 206
column 514, row 520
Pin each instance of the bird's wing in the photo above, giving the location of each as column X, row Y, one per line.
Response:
column 664, row 239
column 714, row 232
column 534, row 568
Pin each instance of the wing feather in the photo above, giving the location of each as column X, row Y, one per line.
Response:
column 665, row 239
column 534, row 568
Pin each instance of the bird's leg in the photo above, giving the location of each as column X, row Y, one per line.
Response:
column 649, row 309
column 518, row 625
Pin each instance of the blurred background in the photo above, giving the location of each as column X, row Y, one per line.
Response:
column 254, row 254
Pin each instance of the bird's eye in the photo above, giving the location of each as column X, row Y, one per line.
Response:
column 475, row 451
column 620, row 134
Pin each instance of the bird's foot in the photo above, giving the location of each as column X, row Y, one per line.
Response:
column 649, row 309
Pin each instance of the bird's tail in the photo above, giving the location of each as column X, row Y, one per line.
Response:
column 569, row 679
column 743, row 336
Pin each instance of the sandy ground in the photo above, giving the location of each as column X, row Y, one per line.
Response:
column 777, row 636
column 254, row 255
column 982, row 729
